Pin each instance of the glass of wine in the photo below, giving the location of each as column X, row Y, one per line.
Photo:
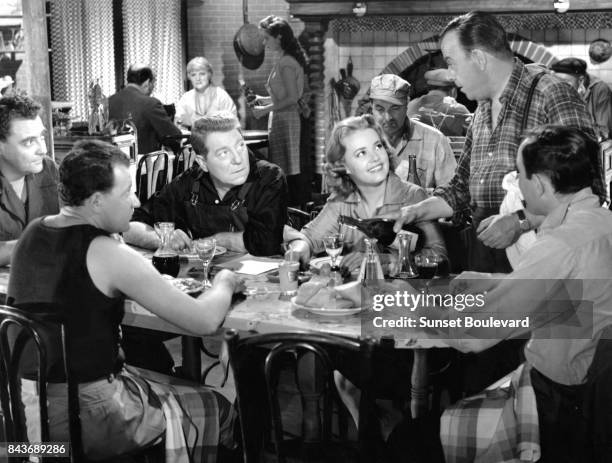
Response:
column 427, row 263
column 333, row 247
column 205, row 249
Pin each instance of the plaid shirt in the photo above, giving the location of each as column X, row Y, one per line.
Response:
column 498, row 425
column 489, row 154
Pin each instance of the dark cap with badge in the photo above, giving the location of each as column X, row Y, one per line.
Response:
column 391, row 88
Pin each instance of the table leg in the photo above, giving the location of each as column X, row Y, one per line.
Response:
column 192, row 362
column 419, row 403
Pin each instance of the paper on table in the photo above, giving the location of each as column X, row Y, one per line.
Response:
column 255, row 267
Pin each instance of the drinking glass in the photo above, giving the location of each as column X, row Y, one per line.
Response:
column 205, row 249
column 427, row 263
column 157, row 226
column 333, row 246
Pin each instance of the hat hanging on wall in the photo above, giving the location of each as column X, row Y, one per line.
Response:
column 248, row 42
column 600, row 51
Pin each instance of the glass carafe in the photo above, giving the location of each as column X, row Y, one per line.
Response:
column 405, row 266
column 371, row 269
column 166, row 259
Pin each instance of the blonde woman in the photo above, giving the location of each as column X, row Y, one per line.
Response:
column 205, row 98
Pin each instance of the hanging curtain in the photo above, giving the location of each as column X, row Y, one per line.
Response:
column 152, row 35
column 82, row 51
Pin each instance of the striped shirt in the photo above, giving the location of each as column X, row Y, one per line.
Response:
column 490, row 153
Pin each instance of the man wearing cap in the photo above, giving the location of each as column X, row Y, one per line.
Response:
column 134, row 101
column 438, row 107
column 434, row 157
column 595, row 92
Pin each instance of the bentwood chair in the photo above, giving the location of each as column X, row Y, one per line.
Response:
column 184, row 159
column 19, row 333
column 154, row 170
column 256, row 362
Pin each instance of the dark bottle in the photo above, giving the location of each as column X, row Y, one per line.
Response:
column 381, row 229
column 167, row 264
column 413, row 176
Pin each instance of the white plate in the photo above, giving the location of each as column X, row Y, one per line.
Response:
column 319, row 261
column 187, row 285
column 324, row 311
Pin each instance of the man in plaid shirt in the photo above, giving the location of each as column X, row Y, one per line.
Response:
column 483, row 66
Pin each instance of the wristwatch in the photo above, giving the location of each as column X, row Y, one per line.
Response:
column 524, row 223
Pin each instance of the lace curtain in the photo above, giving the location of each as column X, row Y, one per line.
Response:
column 83, row 47
column 152, row 35
column 82, row 50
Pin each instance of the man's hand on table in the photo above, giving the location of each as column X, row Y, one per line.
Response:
column 499, row 231
column 180, row 241
column 230, row 278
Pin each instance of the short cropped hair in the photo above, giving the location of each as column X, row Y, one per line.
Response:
column 477, row 29
column 566, row 155
column 338, row 180
column 199, row 62
column 221, row 122
column 16, row 107
column 87, row 169
column 139, row 73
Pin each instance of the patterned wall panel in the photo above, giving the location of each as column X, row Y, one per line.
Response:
column 152, row 35
column 511, row 22
column 82, row 50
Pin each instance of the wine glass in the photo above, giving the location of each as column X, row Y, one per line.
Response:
column 427, row 263
column 333, row 246
column 205, row 248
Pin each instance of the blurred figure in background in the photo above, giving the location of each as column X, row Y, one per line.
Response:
column 204, row 98
column 595, row 92
column 438, row 107
column 285, row 87
column 135, row 102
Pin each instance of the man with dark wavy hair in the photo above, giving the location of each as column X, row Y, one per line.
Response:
column 28, row 178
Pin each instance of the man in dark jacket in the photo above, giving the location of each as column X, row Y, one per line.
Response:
column 28, row 178
column 135, row 102
column 227, row 194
